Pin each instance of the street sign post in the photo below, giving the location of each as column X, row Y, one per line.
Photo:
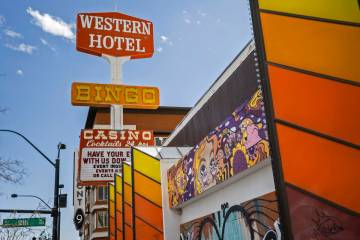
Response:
column 24, row 222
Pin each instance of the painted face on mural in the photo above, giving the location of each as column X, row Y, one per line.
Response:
column 180, row 180
column 250, row 132
column 206, row 164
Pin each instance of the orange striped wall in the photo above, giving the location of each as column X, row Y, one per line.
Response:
column 146, row 231
column 326, row 48
column 151, row 211
column 300, row 98
column 309, row 57
column 127, row 198
column 147, row 188
column 118, row 207
column 147, row 195
column 111, row 212
column 323, row 167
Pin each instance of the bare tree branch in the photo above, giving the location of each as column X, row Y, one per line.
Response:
column 10, row 233
column 11, row 171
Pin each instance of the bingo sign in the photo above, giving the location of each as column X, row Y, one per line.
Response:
column 114, row 34
column 103, row 151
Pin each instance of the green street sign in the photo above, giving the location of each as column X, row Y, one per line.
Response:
column 24, row 222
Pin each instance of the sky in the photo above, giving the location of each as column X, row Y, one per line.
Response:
column 195, row 40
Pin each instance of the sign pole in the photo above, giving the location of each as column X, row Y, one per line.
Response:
column 116, row 111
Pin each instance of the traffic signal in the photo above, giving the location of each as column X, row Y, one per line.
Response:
column 62, row 200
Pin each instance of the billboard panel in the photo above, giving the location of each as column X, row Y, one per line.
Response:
column 103, row 151
column 104, row 95
column 114, row 34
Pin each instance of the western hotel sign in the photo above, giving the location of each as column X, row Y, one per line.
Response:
column 114, row 34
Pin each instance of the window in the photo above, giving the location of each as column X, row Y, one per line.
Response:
column 102, row 193
column 101, row 219
column 159, row 141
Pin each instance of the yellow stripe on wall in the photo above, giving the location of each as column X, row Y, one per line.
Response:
column 118, row 183
column 111, row 209
column 111, row 192
column 326, row 48
column 147, row 165
column 127, row 173
column 341, row 10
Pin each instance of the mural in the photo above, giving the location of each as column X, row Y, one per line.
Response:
column 256, row 219
column 235, row 145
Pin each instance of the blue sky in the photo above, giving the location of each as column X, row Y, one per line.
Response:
column 194, row 40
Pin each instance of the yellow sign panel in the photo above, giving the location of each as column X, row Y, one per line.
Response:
column 147, row 165
column 92, row 94
column 341, row 10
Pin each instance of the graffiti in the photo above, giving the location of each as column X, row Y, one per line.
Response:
column 314, row 219
column 253, row 220
column 326, row 226
column 235, row 145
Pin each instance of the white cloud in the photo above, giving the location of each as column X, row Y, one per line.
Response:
column 52, row 25
column 2, row 20
column 187, row 20
column 198, row 22
column 202, row 14
column 186, row 17
column 164, row 38
column 11, row 33
column 19, row 72
column 159, row 49
column 44, row 42
column 25, row 48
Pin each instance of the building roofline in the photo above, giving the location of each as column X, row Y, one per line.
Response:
column 93, row 110
column 240, row 57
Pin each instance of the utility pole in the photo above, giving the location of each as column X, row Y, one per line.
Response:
column 55, row 211
column 55, row 229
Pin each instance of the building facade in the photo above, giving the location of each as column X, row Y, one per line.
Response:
column 224, row 187
column 94, row 199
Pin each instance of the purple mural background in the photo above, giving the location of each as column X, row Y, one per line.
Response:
column 235, row 145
